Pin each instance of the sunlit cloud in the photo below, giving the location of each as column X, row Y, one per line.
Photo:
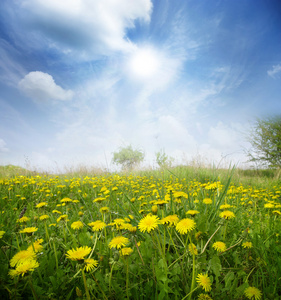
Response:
column 41, row 87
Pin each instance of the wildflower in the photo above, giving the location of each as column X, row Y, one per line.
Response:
column 253, row 293
column 29, row 230
column 78, row 253
column 172, row 220
column 132, row 229
column 225, row 206
column 247, row 245
column 204, row 297
column 97, row 225
column 77, row 225
column 185, row 225
column 41, row 204
column 118, row 242
column 24, row 267
column 227, row 214
column 154, row 209
column 126, row 251
column 66, row 200
column 192, row 212
column 21, row 256
column 37, row 247
column 43, row 217
column 207, row 201
column 104, row 209
column 204, row 281
column 192, row 249
column 148, row 223
column 276, row 212
column 1, row 234
column 99, row 200
column 53, row 224
column 219, row 246
column 56, row 211
column 269, row 205
column 90, row 264
column 62, row 218
column 23, row 219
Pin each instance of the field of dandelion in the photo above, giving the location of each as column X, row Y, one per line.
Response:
column 139, row 236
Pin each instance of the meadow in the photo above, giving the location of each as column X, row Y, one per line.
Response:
column 183, row 233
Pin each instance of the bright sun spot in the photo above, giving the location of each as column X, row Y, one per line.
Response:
column 144, row 63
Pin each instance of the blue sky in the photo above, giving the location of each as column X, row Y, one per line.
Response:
column 81, row 78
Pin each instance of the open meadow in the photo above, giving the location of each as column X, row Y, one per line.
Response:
column 182, row 233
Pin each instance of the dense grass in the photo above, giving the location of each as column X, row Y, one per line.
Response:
column 190, row 233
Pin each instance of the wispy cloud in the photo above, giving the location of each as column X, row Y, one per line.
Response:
column 274, row 71
column 3, row 146
column 41, row 87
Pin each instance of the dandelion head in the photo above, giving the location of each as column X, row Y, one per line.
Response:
column 24, row 267
column 37, row 247
column 204, row 297
column 247, row 245
column 78, row 254
column 126, row 251
column 118, row 242
column 207, row 201
column 171, row 220
column 204, row 281
column 148, row 223
column 22, row 256
column 90, row 264
column 77, row 225
column 253, row 293
column 185, row 225
column 227, row 215
column 97, row 225
column 29, row 230
column 192, row 212
column 192, row 249
column 2, row 233
column 219, row 246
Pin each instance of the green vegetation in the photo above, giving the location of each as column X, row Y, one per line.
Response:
column 138, row 236
column 266, row 142
column 127, row 157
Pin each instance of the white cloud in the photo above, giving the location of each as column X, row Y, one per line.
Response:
column 98, row 26
column 41, row 87
column 3, row 145
column 275, row 70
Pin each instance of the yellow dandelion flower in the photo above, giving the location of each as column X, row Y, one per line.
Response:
column 57, row 211
column 24, row 267
column 225, row 206
column 154, row 209
column 247, row 245
column 66, row 200
column 62, row 218
column 43, row 217
column 269, row 205
column 219, row 246
column 118, row 242
column 29, row 230
column 1, row 234
column 207, row 201
column 227, row 214
column 148, row 223
column 171, row 220
column 78, row 253
column 204, row 297
column 185, row 225
column 22, row 256
column 97, row 225
column 41, row 204
column 90, row 264
column 53, row 224
column 253, row 293
column 104, row 209
column 192, row 249
column 132, row 229
column 37, row 247
column 204, row 281
column 126, row 251
column 276, row 212
column 23, row 219
column 77, row 225
column 192, row 212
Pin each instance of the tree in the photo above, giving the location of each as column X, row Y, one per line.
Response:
column 127, row 157
column 163, row 160
column 265, row 139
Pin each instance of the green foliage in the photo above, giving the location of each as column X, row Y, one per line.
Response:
column 163, row 160
column 265, row 139
column 127, row 157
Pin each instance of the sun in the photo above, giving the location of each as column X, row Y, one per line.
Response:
column 144, row 63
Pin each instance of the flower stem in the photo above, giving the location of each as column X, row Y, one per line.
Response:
column 193, row 270
column 85, row 285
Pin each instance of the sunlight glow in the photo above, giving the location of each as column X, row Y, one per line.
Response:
column 144, row 63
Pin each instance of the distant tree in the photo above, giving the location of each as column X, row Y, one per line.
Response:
column 163, row 160
column 127, row 157
column 265, row 139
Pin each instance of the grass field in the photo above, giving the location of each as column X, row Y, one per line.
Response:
column 183, row 233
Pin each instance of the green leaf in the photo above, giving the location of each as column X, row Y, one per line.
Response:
column 215, row 265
